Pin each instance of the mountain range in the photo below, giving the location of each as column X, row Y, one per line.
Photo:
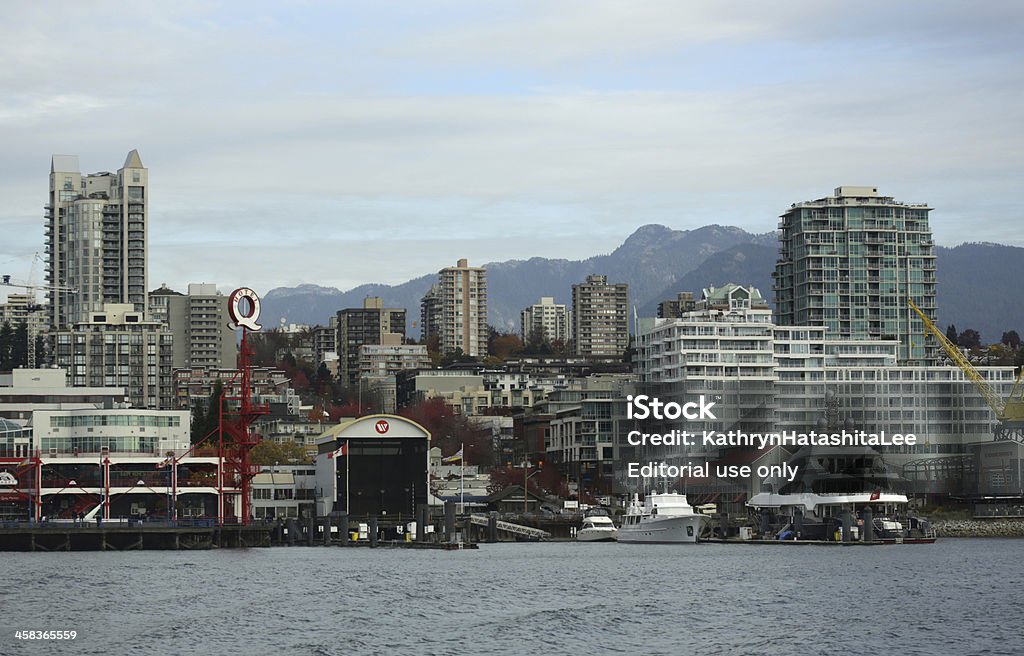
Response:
column 976, row 286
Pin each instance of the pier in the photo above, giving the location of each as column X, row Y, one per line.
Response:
column 116, row 536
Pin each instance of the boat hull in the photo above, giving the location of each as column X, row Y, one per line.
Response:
column 597, row 535
column 671, row 530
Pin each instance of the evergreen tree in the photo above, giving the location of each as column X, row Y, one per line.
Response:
column 1011, row 339
column 951, row 334
column 40, row 347
column 969, row 339
column 206, row 422
column 19, row 346
column 6, row 343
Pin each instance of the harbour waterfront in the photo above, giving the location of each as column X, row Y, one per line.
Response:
column 958, row 596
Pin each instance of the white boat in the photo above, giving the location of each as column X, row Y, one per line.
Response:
column 666, row 517
column 597, row 528
column 833, row 482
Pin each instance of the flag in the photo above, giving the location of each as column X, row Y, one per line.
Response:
column 454, row 458
column 343, row 451
column 876, row 494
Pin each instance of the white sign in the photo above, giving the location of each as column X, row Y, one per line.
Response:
column 244, row 317
column 7, row 479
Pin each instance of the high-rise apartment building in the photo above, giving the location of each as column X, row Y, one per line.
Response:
column 455, row 310
column 199, row 323
column 325, row 342
column 600, row 318
column 372, row 324
column 430, row 313
column 96, row 238
column 851, row 261
column 23, row 309
column 545, row 321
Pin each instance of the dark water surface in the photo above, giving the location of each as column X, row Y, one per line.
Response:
column 954, row 597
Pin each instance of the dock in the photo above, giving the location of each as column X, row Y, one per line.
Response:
column 130, row 537
column 820, row 543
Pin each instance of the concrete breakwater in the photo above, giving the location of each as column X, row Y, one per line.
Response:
column 974, row 528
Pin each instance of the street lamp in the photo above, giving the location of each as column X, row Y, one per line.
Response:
column 526, row 479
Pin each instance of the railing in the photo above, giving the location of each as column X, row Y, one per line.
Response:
column 509, row 527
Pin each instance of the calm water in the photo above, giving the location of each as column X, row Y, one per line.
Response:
column 954, row 597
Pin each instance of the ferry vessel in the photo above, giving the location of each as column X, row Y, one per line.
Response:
column 665, row 517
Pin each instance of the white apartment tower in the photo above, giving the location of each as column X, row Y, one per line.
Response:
column 546, row 321
column 96, row 238
column 458, row 305
column 851, row 261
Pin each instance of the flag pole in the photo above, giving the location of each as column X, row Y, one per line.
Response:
column 462, row 478
column 347, row 456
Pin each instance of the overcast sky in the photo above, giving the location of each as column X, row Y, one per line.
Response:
column 343, row 143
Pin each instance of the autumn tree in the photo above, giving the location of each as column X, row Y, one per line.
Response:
column 269, row 452
column 503, row 345
column 451, row 431
column 544, row 479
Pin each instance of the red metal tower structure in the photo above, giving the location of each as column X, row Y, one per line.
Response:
column 237, row 438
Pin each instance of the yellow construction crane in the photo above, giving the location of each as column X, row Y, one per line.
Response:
column 1009, row 411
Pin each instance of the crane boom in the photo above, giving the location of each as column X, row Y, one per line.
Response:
column 1010, row 410
column 994, row 400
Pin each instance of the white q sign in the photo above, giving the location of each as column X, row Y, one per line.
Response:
column 241, row 316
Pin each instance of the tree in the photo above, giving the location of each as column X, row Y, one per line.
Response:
column 207, row 420
column 951, row 334
column 40, row 347
column 969, row 339
column 269, row 452
column 451, row 431
column 544, row 479
column 537, row 343
column 324, row 382
column 453, row 357
column 6, row 344
column 1011, row 339
column 503, row 345
column 19, row 347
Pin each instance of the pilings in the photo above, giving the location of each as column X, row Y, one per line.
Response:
column 373, row 533
column 449, row 521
